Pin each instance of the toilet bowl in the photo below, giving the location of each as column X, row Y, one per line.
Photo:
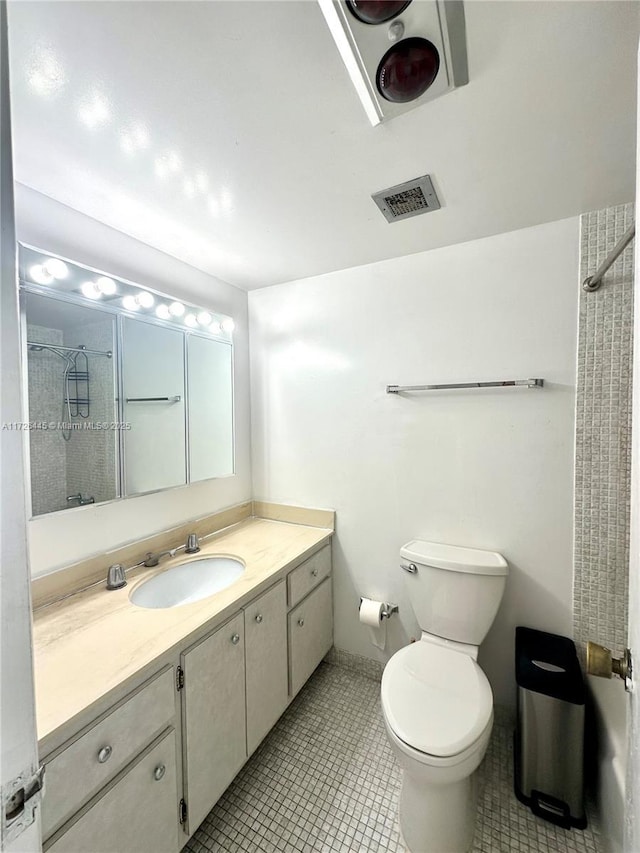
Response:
column 437, row 703
column 438, row 712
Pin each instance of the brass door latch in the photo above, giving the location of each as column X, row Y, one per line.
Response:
column 601, row 663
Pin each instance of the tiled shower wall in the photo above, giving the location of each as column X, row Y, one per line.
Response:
column 48, row 453
column 87, row 462
column 603, row 435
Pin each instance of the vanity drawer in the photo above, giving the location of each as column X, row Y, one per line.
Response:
column 74, row 773
column 307, row 576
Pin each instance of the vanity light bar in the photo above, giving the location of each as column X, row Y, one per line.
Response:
column 43, row 270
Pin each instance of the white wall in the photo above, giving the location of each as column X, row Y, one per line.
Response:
column 58, row 540
column 492, row 469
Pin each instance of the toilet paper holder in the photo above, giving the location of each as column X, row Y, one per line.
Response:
column 388, row 609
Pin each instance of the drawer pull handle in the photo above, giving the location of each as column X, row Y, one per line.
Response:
column 159, row 772
column 235, row 639
column 314, row 572
column 301, row 622
column 104, row 754
column 259, row 618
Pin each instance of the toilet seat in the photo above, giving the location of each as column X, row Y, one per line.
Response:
column 436, row 700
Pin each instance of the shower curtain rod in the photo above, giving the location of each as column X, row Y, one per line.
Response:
column 593, row 282
column 39, row 345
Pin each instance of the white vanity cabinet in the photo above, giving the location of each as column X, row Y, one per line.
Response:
column 138, row 813
column 265, row 625
column 214, row 716
column 310, row 634
column 144, row 774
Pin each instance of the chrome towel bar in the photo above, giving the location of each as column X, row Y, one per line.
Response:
column 504, row 383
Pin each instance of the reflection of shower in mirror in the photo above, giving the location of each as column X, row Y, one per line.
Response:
column 76, row 376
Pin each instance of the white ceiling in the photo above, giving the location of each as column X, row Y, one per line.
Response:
column 253, row 98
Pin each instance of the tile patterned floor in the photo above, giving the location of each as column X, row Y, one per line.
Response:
column 325, row 781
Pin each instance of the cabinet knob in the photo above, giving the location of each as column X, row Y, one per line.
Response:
column 301, row 622
column 314, row 572
column 259, row 618
column 159, row 772
column 235, row 639
column 104, row 754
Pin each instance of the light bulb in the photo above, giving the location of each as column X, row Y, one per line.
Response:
column 204, row 318
column 227, row 325
column 40, row 274
column 56, row 268
column 91, row 289
column 106, row 285
column 130, row 302
column 190, row 320
column 162, row 311
column 176, row 309
column 145, row 299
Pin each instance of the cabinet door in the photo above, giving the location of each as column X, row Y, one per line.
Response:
column 265, row 621
column 139, row 813
column 310, row 634
column 214, row 717
column 154, row 389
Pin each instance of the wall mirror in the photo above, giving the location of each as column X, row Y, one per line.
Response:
column 128, row 391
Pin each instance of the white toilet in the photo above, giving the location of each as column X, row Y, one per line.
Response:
column 436, row 701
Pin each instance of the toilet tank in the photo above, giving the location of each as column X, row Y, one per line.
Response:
column 455, row 592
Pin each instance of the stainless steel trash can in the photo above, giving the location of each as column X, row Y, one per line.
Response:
column 549, row 737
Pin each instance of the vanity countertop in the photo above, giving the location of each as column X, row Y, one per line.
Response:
column 88, row 644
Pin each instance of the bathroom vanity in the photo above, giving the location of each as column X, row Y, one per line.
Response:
column 145, row 716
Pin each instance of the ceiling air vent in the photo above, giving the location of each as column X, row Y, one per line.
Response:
column 409, row 199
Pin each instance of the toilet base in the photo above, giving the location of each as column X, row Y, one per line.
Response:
column 438, row 818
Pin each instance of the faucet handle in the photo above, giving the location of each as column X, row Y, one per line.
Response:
column 192, row 546
column 115, row 577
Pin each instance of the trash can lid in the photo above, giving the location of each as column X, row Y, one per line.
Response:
column 548, row 663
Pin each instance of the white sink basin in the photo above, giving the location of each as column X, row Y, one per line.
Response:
column 187, row 582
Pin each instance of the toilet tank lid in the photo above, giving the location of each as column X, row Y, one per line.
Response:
column 454, row 558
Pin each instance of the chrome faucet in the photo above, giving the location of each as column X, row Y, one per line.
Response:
column 116, row 575
column 81, row 501
column 191, row 546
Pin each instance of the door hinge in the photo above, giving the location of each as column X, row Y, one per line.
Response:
column 20, row 798
column 179, row 678
column 182, row 811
